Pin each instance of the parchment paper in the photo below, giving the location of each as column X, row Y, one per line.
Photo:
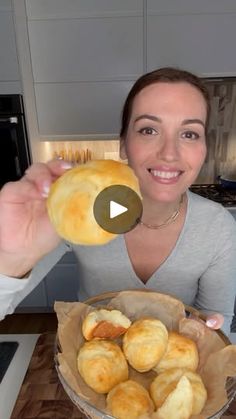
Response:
column 217, row 359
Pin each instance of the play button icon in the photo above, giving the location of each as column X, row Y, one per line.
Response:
column 117, row 209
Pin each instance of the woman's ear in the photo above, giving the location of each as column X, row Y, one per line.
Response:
column 123, row 154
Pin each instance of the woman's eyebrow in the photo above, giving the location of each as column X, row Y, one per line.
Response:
column 147, row 116
column 193, row 121
column 157, row 119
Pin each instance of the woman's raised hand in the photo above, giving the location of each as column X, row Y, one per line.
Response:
column 26, row 234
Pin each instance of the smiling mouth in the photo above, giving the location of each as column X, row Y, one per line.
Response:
column 161, row 174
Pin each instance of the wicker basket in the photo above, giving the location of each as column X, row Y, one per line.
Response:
column 92, row 412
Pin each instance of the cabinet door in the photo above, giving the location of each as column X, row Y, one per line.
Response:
column 62, row 283
column 233, row 213
column 9, row 68
column 75, row 50
column 85, row 55
column 80, row 108
column 198, row 36
column 36, row 301
column 177, row 7
column 41, row 9
column 80, row 88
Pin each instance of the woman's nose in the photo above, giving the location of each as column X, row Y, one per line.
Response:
column 169, row 149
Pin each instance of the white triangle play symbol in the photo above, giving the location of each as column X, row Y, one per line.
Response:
column 116, row 209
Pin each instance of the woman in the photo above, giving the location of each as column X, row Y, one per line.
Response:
column 184, row 245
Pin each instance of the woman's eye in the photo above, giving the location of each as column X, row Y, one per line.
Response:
column 147, row 131
column 191, row 135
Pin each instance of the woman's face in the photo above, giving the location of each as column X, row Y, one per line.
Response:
column 165, row 143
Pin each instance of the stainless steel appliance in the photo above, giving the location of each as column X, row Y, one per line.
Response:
column 15, row 154
column 215, row 192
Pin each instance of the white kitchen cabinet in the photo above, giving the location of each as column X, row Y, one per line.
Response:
column 190, row 6
column 198, row 36
column 73, row 108
column 36, row 301
column 85, row 55
column 9, row 68
column 61, row 283
column 91, row 49
column 44, row 9
column 233, row 212
column 82, row 70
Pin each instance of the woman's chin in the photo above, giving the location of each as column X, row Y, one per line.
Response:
column 162, row 198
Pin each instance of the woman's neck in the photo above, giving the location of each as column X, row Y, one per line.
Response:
column 158, row 212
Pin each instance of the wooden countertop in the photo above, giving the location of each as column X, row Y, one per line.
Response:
column 42, row 395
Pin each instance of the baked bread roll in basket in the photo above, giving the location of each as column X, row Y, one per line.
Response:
column 207, row 378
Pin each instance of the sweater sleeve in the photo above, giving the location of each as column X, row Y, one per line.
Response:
column 14, row 290
column 217, row 286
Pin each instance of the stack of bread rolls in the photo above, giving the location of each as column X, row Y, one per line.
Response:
column 114, row 346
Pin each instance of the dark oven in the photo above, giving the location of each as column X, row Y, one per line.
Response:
column 15, row 154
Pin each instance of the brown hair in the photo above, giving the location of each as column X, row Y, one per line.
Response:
column 165, row 74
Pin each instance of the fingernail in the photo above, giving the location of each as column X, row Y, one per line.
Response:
column 45, row 189
column 211, row 323
column 66, row 165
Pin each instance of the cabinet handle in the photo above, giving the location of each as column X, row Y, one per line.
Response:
column 11, row 119
column 17, row 166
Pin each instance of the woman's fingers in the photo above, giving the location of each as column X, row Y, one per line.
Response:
column 215, row 321
column 36, row 182
column 19, row 192
column 55, row 167
column 42, row 175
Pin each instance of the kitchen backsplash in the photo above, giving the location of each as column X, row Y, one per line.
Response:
column 80, row 151
column 221, row 138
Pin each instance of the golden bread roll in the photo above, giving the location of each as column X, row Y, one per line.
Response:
column 129, row 400
column 105, row 324
column 144, row 343
column 72, row 196
column 102, row 365
column 199, row 391
column 178, row 404
column 167, row 381
column 181, row 352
